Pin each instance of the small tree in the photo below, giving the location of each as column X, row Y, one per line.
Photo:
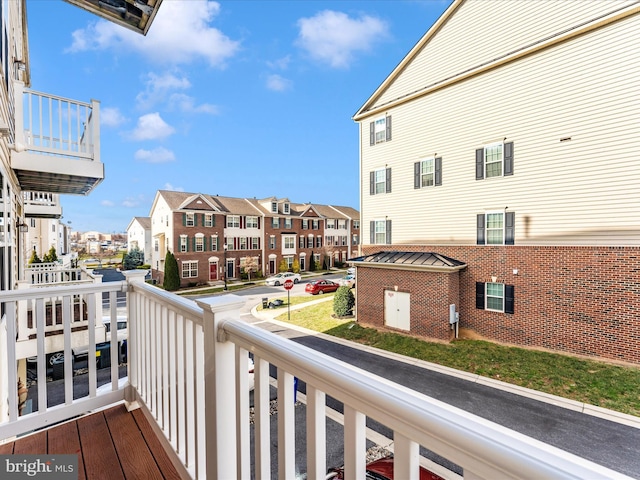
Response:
column 51, row 256
column 343, row 302
column 171, row 281
column 250, row 265
column 34, row 257
column 283, row 266
column 312, row 262
column 133, row 259
column 295, row 266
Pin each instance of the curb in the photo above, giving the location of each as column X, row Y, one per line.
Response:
column 587, row 409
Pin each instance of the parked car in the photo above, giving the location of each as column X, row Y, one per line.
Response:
column 348, row 281
column 351, row 271
column 381, row 470
column 279, row 278
column 321, row 286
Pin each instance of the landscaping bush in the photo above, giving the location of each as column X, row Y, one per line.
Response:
column 171, row 275
column 343, row 302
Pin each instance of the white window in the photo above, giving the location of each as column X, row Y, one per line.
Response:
column 301, row 242
column 356, row 224
column 229, row 241
column 381, row 232
column 275, row 222
column 272, row 242
column 199, row 243
column 342, row 224
column 318, row 241
column 354, row 239
column 494, row 298
column 380, row 180
column 331, row 223
column 190, row 269
column 328, row 241
column 289, row 242
column 242, row 243
column 274, row 207
column 427, row 172
column 208, row 220
column 156, row 245
column 214, row 242
column 493, row 160
column 183, row 243
column 190, row 220
column 305, row 224
column 287, row 223
column 381, row 129
column 316, row 225
column 495, row 228
column 255, row 243
column 252, row 222
column 286, row 208
column 233, row 221
column 289, row 262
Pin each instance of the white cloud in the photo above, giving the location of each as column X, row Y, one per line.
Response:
column 280, row 63
column 179, row 35
column 111, row 117
column 158, row 155
column 132, row 202
column 152, row 127
column 107, row 203
column 277, row 83
column 168, row 186
column 185, row 103
column 334, row 37
column 157, row 87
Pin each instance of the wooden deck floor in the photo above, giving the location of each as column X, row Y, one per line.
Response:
column 111, row 444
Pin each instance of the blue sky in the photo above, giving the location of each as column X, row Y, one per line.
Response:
column 236, row 98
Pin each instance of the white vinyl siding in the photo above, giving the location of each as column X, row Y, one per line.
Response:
column 560, row 190
column 444, row 58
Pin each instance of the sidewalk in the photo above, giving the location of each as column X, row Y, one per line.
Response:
column 270, row 315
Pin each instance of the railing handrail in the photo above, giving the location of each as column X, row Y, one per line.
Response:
column 182, row 306
column 61, row 289
column 57, row 97
column 470, row 441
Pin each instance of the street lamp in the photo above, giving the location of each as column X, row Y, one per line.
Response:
column 225, row 267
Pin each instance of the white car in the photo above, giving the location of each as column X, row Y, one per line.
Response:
column 348, row 281
column 279, row 278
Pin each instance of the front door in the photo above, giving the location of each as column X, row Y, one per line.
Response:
column 213, row 271
column 397, row 309
column 230, row 268
column 272, row 266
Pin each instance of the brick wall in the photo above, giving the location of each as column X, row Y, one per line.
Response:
column 579, row 300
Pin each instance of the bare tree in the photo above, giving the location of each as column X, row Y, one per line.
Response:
column 250, row 265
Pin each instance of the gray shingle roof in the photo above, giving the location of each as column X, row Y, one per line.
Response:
column 419, row 260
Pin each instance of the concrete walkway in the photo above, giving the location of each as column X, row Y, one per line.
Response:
column 603, row 436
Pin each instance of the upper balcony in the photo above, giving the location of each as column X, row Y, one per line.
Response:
column 186, row 373
column 57, row 143
column 42, row 205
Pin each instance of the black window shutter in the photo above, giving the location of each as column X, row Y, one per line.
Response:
column 213, row 220
column 372, row 232
column 416, row 175
column 194, row 244
column 372, row 133
column 509, row 223
column 508, row 158
column 372, row 183
column 508, row 299
column 438, row 173
column 480, row 226
column 479, row 163
column 387, row 123
column 480, row 295
column 388, row 180
column 388, row 232
column 184, row 219
column 258, row 222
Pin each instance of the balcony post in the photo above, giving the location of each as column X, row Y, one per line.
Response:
column 132, row 276
column 220, row 416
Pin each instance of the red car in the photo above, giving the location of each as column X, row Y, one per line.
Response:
column 382, row 470
column 321, row 286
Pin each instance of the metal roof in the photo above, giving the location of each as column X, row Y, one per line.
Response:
column 410, row 260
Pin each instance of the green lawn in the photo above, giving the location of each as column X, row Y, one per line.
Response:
column 597, row 383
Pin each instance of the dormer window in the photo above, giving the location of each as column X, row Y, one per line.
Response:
column 274, row 207
column 286, row 208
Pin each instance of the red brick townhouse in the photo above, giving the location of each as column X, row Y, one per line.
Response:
column 213, row 236
column 500, row 175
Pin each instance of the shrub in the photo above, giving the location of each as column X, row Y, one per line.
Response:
column 343, row 302
column 171, row 276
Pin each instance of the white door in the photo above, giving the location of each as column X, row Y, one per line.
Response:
column 397, row 309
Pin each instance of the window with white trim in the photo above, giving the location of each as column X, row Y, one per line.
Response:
column 286, row 208
column 190, row 269
column 233, row 221
column 255, row 243
column 305, row 224
column 342, row 224
column 318, row 241
column 190, row 220
column 230, row 242
column 289, row 242
column 252, row 222
column 354, row 239
column 301, row 242
column 380, row 181
column 275, row 222
column 356, row 224
column 316, row 224
column 183, row 243
column 380, row 130
column 287, row 223
column 242, row 243
column 199, row 243
column 274, row 207
column 289, row 262
column 493, row 160
column 208, row 220
column 496, row 228
column 495, row 297
column 330, row 222
column 214, row 243
column 380, row 232
column 272, row 242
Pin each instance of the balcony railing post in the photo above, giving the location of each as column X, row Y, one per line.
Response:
column 132, row 276
column 219, row 387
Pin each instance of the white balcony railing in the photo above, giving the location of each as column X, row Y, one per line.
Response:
column 42, row 204
column 187, row 369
